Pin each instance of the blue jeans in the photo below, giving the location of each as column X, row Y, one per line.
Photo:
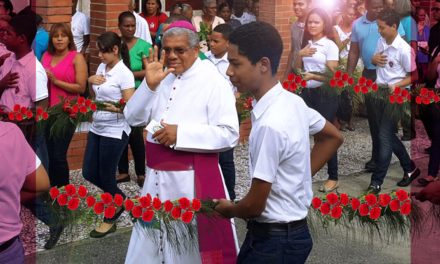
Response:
column 389, row 143
column 371, row 116
column 101, row 159
column 327, row 106
column 281, row 247
column 226, row 161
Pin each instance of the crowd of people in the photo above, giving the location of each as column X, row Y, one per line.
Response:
column 165, row 72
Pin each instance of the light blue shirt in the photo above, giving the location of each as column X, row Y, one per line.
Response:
column 410, row 26
column 366, row 34
column 40, row 42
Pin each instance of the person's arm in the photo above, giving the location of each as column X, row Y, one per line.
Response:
column 353, row 57
column 432, row 73
column 86, row 39
column 35, row 184
column 337, row 39
column 79, row 86
column 327, row 142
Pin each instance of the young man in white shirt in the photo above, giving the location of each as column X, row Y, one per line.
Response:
column 80, row 29
column 219, row 43
column 395, row 64
column 281, row 164
column 240, row 14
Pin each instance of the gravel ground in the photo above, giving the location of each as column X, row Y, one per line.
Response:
column 352, row 156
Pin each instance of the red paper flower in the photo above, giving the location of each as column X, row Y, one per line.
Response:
column 424, row 92
column 106, row 198
column 93, row 107
column 426, row 101
column 54, row 192
column 70, row 189
column 157, row 204
column 404, row 93
column 145, row 201
column 73, row 204
column 375, row 213
column 16, row 108
column 83, row 109
column 18, row 117
column 397, row 91
column 418, row 100
column 375, row 87
column 184, row 203
column 325, row 208
column 136, row 212
column 187, row 217
column 316, row 202
column 11, row 116
column 196, row 204
column 129, row 204
column 82, row 191
column 303, row 83
column 338, row 74
column 298, row 79
column 364, row 209
column 109, row 212
column 336, row 212
column 98, row 208
column 395, row 205
column 399, row 99
column 88, row 102
column 371, row 199
column 332, row 198
column 75, row 109
column 362, row 80
column 402, row 195
column 285, row 84
column 369, row 83
column 355, row 203
column 90, row 201
column 23, row 110
column 345, row 77
column 350, row 81
column 340, row 84
column 62, row 199
column 344, row 199
column 176, row 212
column 357, row 88
column 405, row 209
column 45, row 116
column 364, row 89
column 392, row 99
column 148, row 215
column 119, row 200
column 384, row 199
column 332, row 83
column 290, row 77
column 29, row 114
column 168, row 206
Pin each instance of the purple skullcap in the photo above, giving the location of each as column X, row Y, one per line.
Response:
column 181, row 24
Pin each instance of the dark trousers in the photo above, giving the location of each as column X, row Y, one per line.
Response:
column 14, row 254
column 137, row 144
column 327, row 106
column 226, row 161
column 276, row 247
column 425, row 113
column 434, row 154
column 101, row 157
column 372, row 119
column 57, row 146
column 388, row 143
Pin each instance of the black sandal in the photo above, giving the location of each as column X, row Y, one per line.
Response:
column 125, row 179
column 140, row 180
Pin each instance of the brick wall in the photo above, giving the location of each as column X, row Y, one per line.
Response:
column 53, row 11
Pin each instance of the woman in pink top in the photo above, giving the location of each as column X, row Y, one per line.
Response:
column 67, row 73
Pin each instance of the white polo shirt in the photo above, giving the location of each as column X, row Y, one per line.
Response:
column 80, row 28
column 400, row 61
column 326, row 50
column 32, row 81
column 119, row 78
column 279, row 148
column 142, row 28
column 222, row 65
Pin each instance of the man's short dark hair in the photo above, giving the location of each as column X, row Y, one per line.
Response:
column 224, row 29
column 8, row 5
column 257, row 40
column 390, row 17
column 25, row 25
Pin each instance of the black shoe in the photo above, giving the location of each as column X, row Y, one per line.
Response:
column 370, row 166
column 408, row 177
column 374, row 189
column 96, row 234
column 54, row 236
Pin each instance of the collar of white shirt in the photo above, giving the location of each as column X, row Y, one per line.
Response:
column 26, row 59
column 214, row 60
column 261, row 106
column 320, row 42
column 191, row 71
column 395, row 44
column 114, row 69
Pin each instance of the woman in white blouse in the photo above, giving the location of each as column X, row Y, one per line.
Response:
column 109, row 132
column 318, row 54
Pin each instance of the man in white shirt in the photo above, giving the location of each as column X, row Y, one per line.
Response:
column 395, row 62
column 281, row 164
column 240, row 15
column 80, row 29
column 197, row 112
column 142, row 28
column 219, row 43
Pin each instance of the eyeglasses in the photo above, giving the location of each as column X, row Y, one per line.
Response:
column 435, row 9
column 177, row 51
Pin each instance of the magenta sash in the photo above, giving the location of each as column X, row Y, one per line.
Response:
column 216, row 238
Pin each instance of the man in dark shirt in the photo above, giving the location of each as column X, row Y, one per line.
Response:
column 434, row 37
